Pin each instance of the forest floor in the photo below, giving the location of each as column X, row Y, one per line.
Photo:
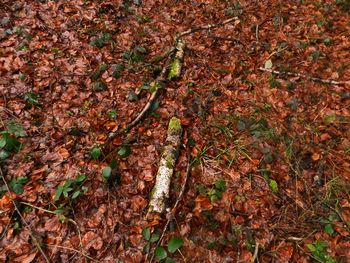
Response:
column 270, row 153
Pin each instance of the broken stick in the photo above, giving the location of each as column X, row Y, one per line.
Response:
column 301, row 75
column 160, row 192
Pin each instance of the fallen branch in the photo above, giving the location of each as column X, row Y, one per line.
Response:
column 175, row 70
column 35, row 241
column 301, row 75
column 171, row 214
column 155, row 86
column 160, row 192
column 206, row 27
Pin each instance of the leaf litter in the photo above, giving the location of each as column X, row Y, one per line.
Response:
column 278, row 141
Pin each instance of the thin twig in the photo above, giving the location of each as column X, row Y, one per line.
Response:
column 9, row 112
column 206, row 27
column 276, row 52
column 160, row 79
column 295, row 74
column 75, row 250
column 256, row 252
column 54, row 213
column 23, row 220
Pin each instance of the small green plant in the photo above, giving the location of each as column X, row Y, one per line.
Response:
column 274, row 83
column 344, row 4
column 32, row 99
column 124, row 151
column 150, row 238
column 22, row 76
column 99, row 86
column 160, row 253
column 100, row 40
column 17, row 184
column 117, row 70
column 260, row 128
column 214, row 193
column 9, row 139
column 327, row 41
column 112, row 114
column 101, row 68
column 234, row 10
column 272, row 183
column 173, row 245
column 55, row 51
column 135, row 55
column 71, row 188
column 141, row 19
column 107, row 171
column 96, row 152
column 318, row 251
column 330, row 118
column 250, row 241
column 202, row 155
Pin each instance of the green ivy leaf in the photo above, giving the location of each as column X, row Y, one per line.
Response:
column 76, row 194
column 99, row 86
column 174, row 244
column 96, row 153
column 146, row 248
column 155, row 237
column 106, row 173
column 160, row 253
column 124, row 151
column 220, row 185
column 17, row 184
column 169, row 260
column 80, row 178
column 329, row 229
column 16, row 129
column 4, row 154
column 119, row 68
column 65, row 192
column 132, row 96
column 2, row 142
column 32, row 98
column 12, row 144
column 97, row 42
column 146, row 233
column 58, row 192
column 268, row 158
column 311, row 247
column 141, row 49
column 154, row 105
column 113, row 164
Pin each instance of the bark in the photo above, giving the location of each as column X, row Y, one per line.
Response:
column 160, row 192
